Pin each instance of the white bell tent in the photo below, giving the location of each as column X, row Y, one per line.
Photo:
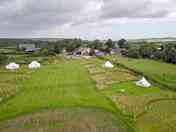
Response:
column 108, row 65
column 34, row 65
column 12, row 66
column 143, row 83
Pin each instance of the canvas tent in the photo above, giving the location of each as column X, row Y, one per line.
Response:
column 12, row 66
column 108, row 65
column 143, row 83
column 34, row 65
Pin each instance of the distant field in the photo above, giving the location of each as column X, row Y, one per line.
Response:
column 163, row 73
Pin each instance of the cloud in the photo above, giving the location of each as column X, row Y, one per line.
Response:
column 29, row 17
column 23, row 16
column 136, row 8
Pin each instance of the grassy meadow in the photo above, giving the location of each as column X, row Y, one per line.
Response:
column 82, row 95
column 150, row 108
column 163, row 73
column 60, row 85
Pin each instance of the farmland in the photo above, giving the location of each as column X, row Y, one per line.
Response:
column 58, row 86
column 160, row 72
column 80, row 94
column 138, row 103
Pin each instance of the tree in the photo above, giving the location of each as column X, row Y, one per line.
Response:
column 70, row 47
column 122, row 43
column 57, row 48
column 44, row 52
column 133, row 52
column 110, row 44
column 147, row 50
column 96, row 44
column 169, row 54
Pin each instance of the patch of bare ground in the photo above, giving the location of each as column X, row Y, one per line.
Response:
column 64, row 120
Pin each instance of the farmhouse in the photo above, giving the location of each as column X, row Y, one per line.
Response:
column 99, row 53
column 28, row 47
column 116, row 51
column 82, row 51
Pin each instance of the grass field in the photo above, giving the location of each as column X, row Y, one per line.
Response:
column 135, row 100
column 10, row 82
column 106, row 77
column 151, row 108
column 161, row 117
column 64, row 120
column 81, row 95
column 62, row 85
column 164, row 74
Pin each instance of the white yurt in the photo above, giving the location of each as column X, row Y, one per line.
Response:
column 143, row 83
column 12, row 66
column 108, row 65
column 34, row 65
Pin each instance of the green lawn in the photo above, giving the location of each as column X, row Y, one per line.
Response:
column 160, row 72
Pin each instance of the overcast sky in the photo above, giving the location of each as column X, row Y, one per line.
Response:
column 88, row 19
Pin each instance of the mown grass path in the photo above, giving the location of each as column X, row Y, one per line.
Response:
column 56, row 86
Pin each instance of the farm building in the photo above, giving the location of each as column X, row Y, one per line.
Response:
column 99, row 53
column 82, row 51
column 116, row 51
column 28, row 47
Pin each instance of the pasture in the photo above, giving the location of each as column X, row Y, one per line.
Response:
column 163, row 73
column 150, row 108
column 82, row 95
column 66, row 84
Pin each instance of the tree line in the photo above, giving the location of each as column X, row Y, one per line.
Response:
column 163, row 52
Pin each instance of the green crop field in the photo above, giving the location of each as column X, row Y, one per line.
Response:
column 164, row 74
column 61, row 85
column 152, row 109
column 82, row 95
